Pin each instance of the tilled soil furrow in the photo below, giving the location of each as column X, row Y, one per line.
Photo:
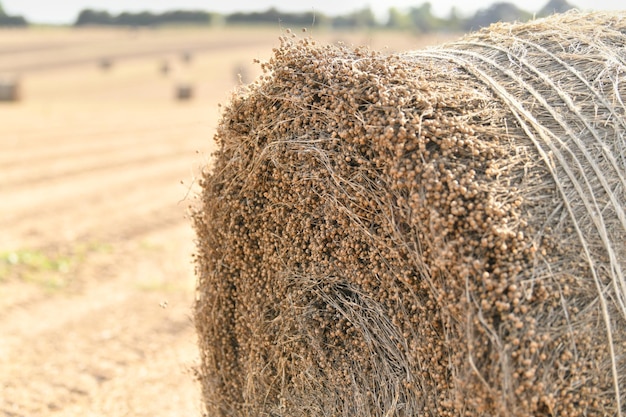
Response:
column 77, row 227
column 102, row 276
column 60, row 46
column 96, row 269
column 52, row 61
column 97, row 347
column 107, row 346
column 62, row 168
column 78, row 144
column 140, row 224
column 108, row 186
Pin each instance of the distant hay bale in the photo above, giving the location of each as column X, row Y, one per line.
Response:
column 186, row 57
column 105, row 64
column 184, row 91
column 434, row 233
column 165, row 67
column 10, row 89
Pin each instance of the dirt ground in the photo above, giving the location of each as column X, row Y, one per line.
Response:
column 98, row 169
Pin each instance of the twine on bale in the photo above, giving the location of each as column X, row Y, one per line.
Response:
column 436, row 233
column 549, row 144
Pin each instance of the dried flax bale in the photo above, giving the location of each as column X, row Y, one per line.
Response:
column 435, row 233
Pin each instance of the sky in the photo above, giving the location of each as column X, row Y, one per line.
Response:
column 66, row 11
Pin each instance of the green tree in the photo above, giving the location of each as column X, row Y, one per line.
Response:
column 454, row 22
column 273, row 16
column 497, row 12
column 365, row 17
column 423, row 20
column 94, row 17
column 554, row 6
column 397, row 19
column 359, row 19
column 6, row 20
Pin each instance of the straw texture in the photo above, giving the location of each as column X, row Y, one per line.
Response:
column 434, row 233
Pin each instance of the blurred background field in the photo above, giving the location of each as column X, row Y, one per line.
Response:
column 99, row 159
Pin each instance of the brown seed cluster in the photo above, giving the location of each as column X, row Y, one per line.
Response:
column 378, row 236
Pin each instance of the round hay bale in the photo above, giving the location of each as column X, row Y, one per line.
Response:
column 10, row 89
column 186, row 57
column 165, row 67
column 435, row 233
column 184, row 92
column 105, row 64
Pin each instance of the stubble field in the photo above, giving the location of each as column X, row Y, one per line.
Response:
column 98, row 170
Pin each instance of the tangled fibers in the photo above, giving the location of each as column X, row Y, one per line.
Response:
column 432, row 233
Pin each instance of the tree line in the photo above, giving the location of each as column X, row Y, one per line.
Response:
column 419, row 19
column 7, row 20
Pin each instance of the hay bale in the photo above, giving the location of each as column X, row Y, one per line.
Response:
column 186, row 57
column 436, row 233
column 105, row 64
column 10, row 89
column 184, row 92
column 165, row 67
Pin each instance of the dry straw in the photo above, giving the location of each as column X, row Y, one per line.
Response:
column 435, row 233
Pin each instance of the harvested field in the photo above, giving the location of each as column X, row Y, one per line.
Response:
column 434, row 233
column 96, row 279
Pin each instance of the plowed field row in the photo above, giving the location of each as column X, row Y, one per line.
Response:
column 96, row 279
column 96, row 273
